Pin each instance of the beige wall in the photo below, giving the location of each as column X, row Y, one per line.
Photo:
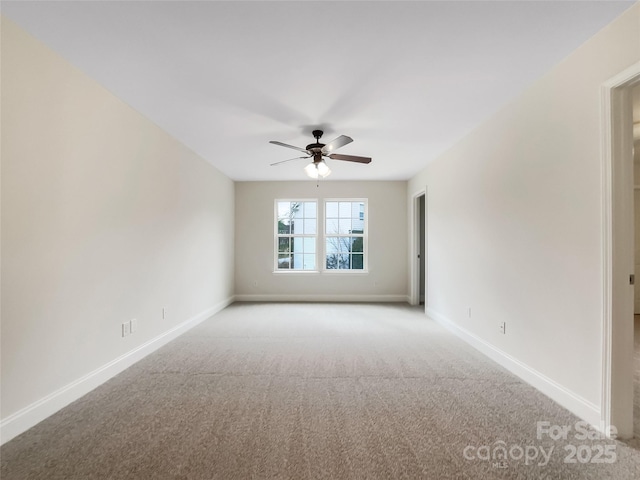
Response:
column 514, row 221
column 387, row 277
column 105, row 218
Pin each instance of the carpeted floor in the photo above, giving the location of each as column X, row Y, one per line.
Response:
column 308, row 391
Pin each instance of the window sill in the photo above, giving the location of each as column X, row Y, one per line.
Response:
column 346, row 272
column 321, row 272
column 295, row 272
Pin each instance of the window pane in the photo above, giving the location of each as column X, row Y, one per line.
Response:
column 309, row 262
column 356, row 207
column 332, row 227
column 345, row 225
column 310, row 210
column 343, row 261
column 284, row 261
column 310, row 226
column 357, row 261
column 283, row 244
column 283, row 226
column 297, row 244
column 297, row 226
column 333, row 245
column 296, row 210
column 345, row 209
column 284, row 209
column 338, row 261
column 357, row 244
column 309, row 245
column 332, row 262
column 332, row 210
column 298, row 263
column 343, row 244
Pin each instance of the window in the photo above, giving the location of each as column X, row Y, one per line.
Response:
column 296, row 234
column 301, row 246
column 345, row 235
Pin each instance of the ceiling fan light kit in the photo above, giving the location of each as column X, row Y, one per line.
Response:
column 315, row 170
column 318, row 151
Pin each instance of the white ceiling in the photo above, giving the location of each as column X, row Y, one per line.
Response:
column 406, row 80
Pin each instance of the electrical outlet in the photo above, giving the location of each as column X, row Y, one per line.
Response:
column 164, row 312
column 503, row 328
column 469, row 312
column 133, row 325
column 126, row 329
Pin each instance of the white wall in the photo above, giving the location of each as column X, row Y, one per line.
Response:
column 105, row 218
column 387, row 277
column 515, row 229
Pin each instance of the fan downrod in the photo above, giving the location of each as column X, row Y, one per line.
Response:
column 317, row 134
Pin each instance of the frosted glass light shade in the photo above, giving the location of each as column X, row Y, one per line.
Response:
column 315, row 170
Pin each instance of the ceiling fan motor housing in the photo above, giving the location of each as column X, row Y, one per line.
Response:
column 316, row 148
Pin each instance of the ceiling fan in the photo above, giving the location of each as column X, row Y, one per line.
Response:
column 318, row 151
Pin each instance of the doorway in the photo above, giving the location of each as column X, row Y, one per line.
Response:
column 422, row 255
column 419, row 250
column 618, row 253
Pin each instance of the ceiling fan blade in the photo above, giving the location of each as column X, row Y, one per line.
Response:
column 341, row 141
column 290, row 160
column 288, row 146
column 349, row 158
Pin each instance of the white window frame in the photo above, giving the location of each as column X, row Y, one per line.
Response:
column 365, row 238
column 317, row 236
column 321, row 236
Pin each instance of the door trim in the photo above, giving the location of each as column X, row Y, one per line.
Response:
column 617, row 252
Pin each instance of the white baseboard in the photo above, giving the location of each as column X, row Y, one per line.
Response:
column 29, row 416
column 322, row 298
column 573, row 402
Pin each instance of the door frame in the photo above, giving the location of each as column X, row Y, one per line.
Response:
column 414, row 267
column 617, row 252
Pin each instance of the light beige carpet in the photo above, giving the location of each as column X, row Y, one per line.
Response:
column 312, row 391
